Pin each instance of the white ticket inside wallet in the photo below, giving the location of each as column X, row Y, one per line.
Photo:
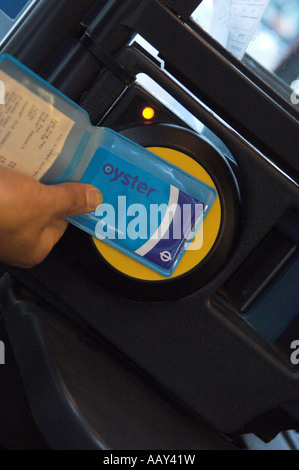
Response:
column 32, row 131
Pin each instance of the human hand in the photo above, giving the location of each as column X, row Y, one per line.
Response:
column 32, row 215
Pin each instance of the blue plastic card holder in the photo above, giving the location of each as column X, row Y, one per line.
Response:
column 151, row 209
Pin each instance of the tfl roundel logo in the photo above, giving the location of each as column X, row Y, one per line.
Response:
column 165, row 256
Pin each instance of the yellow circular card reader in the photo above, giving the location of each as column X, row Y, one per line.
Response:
column 128, row 278
column 191, row 258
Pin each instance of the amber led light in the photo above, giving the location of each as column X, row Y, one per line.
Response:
column 148, row 113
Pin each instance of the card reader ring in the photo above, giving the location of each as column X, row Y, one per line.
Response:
column 185, row 145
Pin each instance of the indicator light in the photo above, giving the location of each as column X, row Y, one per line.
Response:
column 148, row 113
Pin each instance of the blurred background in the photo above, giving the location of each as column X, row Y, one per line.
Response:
column 275, row 42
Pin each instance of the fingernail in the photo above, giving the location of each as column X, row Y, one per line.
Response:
column 94, row 197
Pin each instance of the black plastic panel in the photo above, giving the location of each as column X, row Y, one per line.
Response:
column 257, row 272
column 84, row 395
column 44, row 31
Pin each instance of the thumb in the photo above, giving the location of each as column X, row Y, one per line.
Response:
column 68, row 199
